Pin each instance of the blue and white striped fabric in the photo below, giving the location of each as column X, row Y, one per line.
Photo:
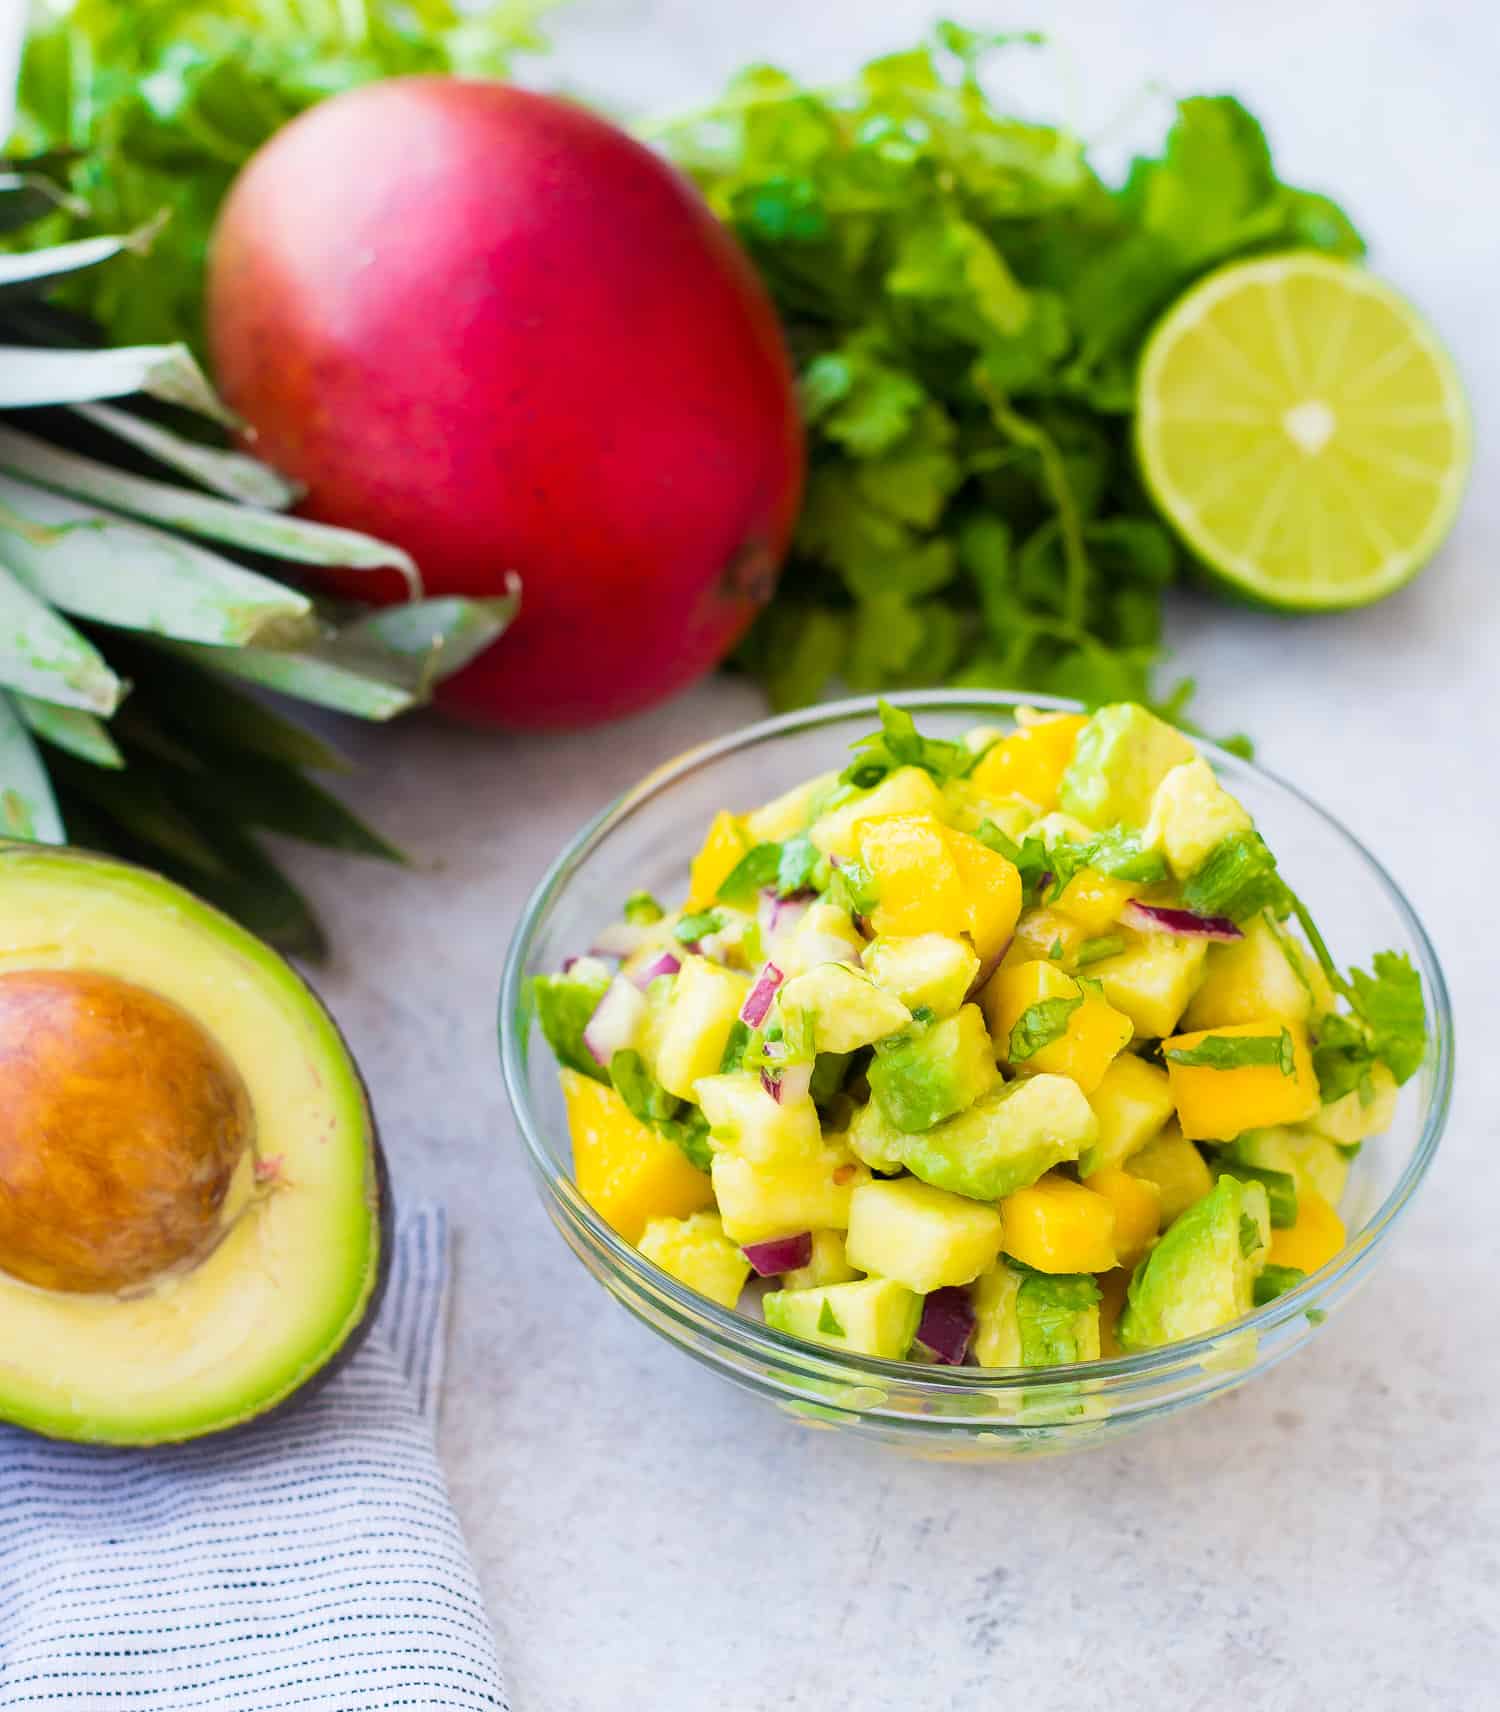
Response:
column 314, row 1562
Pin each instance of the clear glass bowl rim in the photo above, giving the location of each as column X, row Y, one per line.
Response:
column 753, row 1338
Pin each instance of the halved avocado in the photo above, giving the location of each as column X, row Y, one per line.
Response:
column 194, row 1218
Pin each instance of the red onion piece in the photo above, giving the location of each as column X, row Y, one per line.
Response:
column 791, row 1083
column 1183, row 924
column 616, row 1020
column 781, row 1254
column 947, row 1324
column 568, row 962
column 778, row 915
column 666, row 964
column 758, row 999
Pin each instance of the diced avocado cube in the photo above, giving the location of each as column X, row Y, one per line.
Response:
column 697, row 1253
column 928, row 970
column 1251, row 978
column 1005, row 1140
column 1274, row 1281
column 997, row 1325
column 1119, row 759
column 1202, row 1273
column 1280, row 1186
column 1191, row 815
column 838, row 1009
column 873, row 1138
column 1349, row 1120
column 703, row 1007
column 785, row 816
column 786, row 1197
column 829, row 1264
column 1177, row 1169
column 1312, row 1161
column 1058, row 1318
column 927, row 1074
column 906, row 791
column 743, row 1118
column 873, row 1316
column 1152, row 981
column 1133, row 1103
column 920, row 1236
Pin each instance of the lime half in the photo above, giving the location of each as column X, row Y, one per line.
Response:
column 1303, row 430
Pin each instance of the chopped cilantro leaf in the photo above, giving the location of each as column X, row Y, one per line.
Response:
column 1055, row 950
column 828, row 1321
column 641, row 909
column 1029, row 858
column 1238, row 879
column 734, row 1047
column 1096, row 950
column 1274, row 1281
column 692, row 928
column 679, row 1122
column 1039, row 1025
column 853, row 888
column 898, row 744
column 564, row 1004
column 1237, row 1051
column 1121, row 855
column 797, row 865
column 756, row 868
column 1389, row 1002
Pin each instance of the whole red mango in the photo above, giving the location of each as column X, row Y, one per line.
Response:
column 490, row 327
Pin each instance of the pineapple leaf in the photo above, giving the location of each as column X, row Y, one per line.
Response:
column 136, row 802
column 29, row 376
column 35, row 270
column 28, row 809
column 43, row 654
column 377, row 666
column 214, row 712
column 70, row 729
column 175, row 507
column 117, row 572
column 234, row 475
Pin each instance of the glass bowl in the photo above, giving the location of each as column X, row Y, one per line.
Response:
column 646, row 839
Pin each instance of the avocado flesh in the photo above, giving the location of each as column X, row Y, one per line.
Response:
column 298, row 1269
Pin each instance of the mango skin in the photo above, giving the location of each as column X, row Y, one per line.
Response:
column 122, row 1124
column 490, row 327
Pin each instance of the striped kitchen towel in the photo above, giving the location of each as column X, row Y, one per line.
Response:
column 313, row 1562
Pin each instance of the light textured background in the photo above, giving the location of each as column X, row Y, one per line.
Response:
column 1325, row 1538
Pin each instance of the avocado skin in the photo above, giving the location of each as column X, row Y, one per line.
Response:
column 379, row 1190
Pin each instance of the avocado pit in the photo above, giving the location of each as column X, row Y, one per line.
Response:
column 122, row 1125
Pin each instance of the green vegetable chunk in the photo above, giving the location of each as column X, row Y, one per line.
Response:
column 564, row 1004
column 1234, row 1052
column 1201, row 1275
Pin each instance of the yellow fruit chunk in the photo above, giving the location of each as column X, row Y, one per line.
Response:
column 916, row 877
column 1137, row 1205
column 1316, row 1237
column 1095, row 900
column 907, row 791
column 697, row 1253
column 992, row 893
column 779, row 819
column 1217, row 1105
column 1031, row 761
column 1132, row 1102
column 1057, row 1225
column 1177, row 1169
column 625, row 1171
column 712, row 866
column 1093, row 1034
column 1112, row 1289
column 1040, row 933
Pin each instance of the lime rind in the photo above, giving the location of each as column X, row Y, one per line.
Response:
column 1267, row 412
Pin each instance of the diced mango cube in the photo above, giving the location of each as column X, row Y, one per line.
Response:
column 625, row 1170
column 991, row 893
column 907, row 791
column 696, row 1252
column 1137, row 1205
column 1093, row 1033
column 722, row 849
column 917, row 881
column 1057, row 1225
column 1095, row 900
column 1031, row 761
column 1219, row 1104
column 1316, row 1237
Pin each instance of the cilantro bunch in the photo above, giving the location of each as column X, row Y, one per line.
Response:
column 966, row 298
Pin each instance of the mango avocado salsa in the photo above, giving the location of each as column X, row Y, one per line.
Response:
column 1016, row 1050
